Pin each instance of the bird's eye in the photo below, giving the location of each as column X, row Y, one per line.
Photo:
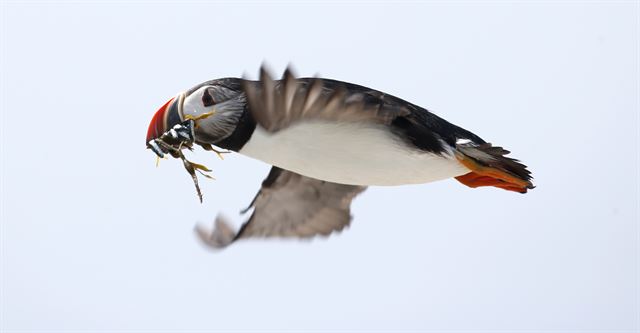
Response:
column 207, row 99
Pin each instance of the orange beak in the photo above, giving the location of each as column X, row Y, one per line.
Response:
column 158, row 123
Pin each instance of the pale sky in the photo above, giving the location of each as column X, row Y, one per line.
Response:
column 94, row 237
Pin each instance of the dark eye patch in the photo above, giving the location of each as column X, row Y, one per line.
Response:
column 207, row 99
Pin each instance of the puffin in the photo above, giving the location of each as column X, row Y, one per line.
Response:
column 327, row 141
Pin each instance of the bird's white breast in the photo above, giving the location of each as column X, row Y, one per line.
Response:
column 349, row 153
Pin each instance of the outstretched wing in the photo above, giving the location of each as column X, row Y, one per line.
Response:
column 289, row 205
column 277, row 104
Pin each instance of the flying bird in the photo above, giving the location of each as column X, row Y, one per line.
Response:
column 327, row 140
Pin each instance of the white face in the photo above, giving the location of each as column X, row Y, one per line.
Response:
column 216, row 110
column 199, row 103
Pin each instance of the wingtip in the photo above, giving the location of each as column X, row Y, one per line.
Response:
column 289, row 72
column 220, row 237
column 245, row 76
column 265, row 72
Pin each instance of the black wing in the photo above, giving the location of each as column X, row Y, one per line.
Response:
column 289, row 205
column 277, row 104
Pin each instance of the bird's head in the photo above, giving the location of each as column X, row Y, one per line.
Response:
column 205, row 114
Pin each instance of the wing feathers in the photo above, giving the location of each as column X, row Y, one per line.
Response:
column 222, row 234
column 277, row 104
column 289, row 205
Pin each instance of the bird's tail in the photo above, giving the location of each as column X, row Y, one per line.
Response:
column 490, row 167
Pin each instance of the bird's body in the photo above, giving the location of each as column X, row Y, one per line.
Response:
column 327, row 140
column 351, row 153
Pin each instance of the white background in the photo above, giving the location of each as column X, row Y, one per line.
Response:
column 95, row 237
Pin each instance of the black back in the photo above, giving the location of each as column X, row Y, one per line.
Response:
column 421, row 128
